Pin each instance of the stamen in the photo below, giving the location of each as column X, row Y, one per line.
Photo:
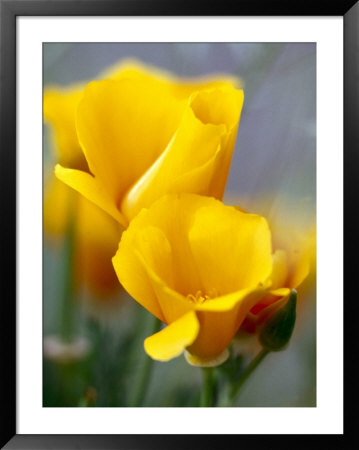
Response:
column 200, row 297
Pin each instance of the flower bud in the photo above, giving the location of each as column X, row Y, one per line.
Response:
column 277, row 332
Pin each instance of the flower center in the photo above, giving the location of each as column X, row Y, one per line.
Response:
column 201, row 297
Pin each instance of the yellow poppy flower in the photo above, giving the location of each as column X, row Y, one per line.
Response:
column 97, row 234
column 144, row 135
column 199, row 267
column 61, row 103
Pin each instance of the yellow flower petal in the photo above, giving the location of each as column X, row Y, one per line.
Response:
column 60, row 106
column 172, row 340
column 203, row 141
column 132, row 273
column 280, row 269
column 297, row 245
column 172, row 304
column 300, row 268
column 245, row 245
column 143, row 261
column 93, row 191
column 175, row 228
column 217, row 327
column 56, row 205
column 123, row 126
column 96, row 236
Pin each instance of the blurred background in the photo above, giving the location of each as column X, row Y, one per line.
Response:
column 273, row 172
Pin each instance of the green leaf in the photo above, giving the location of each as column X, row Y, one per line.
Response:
column 277, row 332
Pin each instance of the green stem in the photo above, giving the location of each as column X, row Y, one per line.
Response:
column 249, row 370
column 207, row 393
column 67, row 300
column 141, row 385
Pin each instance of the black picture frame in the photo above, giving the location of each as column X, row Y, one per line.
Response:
column 9, row 10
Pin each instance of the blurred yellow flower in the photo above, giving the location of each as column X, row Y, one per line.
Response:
column 293, row 267
column 59, row 109
column 96, row 233
column 95, row 241
column 199, row 267
column 145, row 133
